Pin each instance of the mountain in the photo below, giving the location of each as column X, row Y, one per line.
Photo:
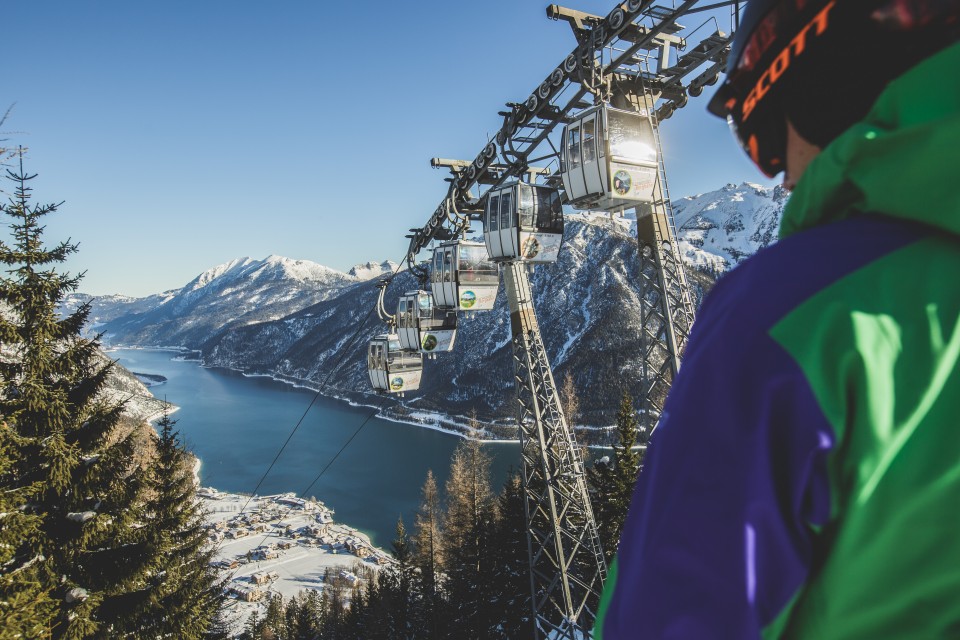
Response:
column 587, row 303
column 236, row 293
column 106, row 308
column 721, row 228
column 371, row 270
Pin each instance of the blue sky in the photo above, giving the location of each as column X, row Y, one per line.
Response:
column 185, row 134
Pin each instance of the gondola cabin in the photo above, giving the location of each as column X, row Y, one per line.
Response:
column 462, row 276
column 609, row 159
column 423, row 326
column 523, row 222
column 391, row 369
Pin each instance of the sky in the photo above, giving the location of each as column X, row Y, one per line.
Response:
column 181, row 134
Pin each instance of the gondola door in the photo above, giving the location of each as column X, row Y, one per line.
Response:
column 594, row 167
column 509, row 236
column 574, row 165
column 491, row 227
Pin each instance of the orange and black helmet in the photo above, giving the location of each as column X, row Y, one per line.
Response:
column 821, row 64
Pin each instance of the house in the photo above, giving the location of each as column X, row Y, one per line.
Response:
column 349, row 576
column 299, row 503
column 246, row 593
column 262, row 577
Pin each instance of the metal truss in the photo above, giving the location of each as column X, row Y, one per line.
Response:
column 617, row 48
column 567, row 568
column 666, row 310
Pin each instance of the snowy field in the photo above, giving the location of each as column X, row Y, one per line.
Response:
column 281, row 545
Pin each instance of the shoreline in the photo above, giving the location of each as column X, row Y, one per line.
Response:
column 424, row 419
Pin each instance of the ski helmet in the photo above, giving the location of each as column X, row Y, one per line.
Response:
column 821, row 64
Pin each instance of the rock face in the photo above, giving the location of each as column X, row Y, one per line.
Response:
column 237, row 293
column 311, row 324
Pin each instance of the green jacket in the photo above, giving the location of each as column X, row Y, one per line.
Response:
column 804, row 480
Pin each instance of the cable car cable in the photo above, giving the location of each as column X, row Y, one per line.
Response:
column 323, row 385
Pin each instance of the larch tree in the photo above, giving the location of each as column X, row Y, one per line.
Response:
column 429, row 556
column 68, row 467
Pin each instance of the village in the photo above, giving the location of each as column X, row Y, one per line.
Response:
column 281, row 545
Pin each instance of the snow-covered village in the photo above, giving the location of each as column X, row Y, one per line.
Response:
column 282, row 545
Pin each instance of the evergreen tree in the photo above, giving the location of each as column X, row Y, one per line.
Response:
column 26, row 607
column 611, row 481
column 429, row 557
column 468, row 526
column 70, row 468
column 186, row 591
column 274, row 623
column 253, row 629
column 399, row 594
column 511, row 569
column 332, row 605
column 308, row 617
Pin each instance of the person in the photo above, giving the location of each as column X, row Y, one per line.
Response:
column 804, row 478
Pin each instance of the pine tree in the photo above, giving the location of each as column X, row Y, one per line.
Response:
column 611, row 481
column 429, row 556
column 70, row 468
column 511, row 573
column 186, row 591
column 399, row 589
column 468, row 524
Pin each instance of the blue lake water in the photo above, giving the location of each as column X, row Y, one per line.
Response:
column 236, row 425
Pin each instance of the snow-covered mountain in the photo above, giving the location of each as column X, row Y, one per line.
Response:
column 371, row 270
column 257, row 317
column 236, row 293
column 720, row 228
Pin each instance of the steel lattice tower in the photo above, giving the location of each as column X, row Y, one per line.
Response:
column 567, row 568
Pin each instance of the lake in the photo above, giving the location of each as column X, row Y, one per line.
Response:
column 237, row 424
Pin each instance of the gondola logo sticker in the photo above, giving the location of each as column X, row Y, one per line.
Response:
column 429, row 342
column 621, row 182
column 397, row 383
column 530, row 248
column 468, row 299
